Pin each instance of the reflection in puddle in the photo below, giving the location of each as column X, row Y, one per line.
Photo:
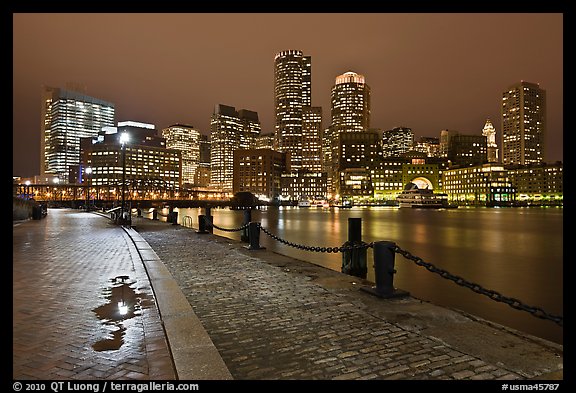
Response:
column 123, row 304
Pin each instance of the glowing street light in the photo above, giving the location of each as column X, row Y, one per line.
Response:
column 88, row 172
column 124, row 139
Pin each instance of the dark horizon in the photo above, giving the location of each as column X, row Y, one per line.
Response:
column 426, row 71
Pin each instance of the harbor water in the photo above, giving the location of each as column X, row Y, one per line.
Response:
column 517, row 252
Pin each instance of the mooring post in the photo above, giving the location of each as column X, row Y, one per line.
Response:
column 354, row 260
column 201, row 224
column 384, row 257
column 244, row 235
column 254, row 234
column 210, row 219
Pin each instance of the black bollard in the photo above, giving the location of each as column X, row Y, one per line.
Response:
column 355, row 229
column 174, row 218
column 244, row 235
column 254, row 234
column 384, row 257
column 354, row 260
column 201, row 225
column 154, row 214
column 210, row 219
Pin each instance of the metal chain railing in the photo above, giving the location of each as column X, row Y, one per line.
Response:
column 512, row 302
column 315, row 249
column 492, row 294
column 209, row 223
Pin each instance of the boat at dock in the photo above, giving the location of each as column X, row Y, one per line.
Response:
column 423, row 198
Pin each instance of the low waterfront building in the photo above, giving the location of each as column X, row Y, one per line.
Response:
column 302, row 185
column 259, row 171
column 538, row 184
column 487, row 184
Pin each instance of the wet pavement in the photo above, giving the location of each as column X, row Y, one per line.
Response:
column 83, row 307
column 274, row 317
column 92, row 300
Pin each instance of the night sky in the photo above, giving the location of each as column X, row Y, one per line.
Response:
column 426, row 71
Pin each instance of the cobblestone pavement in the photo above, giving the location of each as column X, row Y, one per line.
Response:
column 268, row 323
column 65, row 322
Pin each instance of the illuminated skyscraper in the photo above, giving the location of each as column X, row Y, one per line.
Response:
column 312, row 138
column 292, row 92
column 490, row 133
column 350, row 103
column 350, row 110
column 523, row 124
column 186, row 139
column 230, row 130
column 66, row 117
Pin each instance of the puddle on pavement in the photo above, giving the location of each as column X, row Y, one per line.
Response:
column 124, row 303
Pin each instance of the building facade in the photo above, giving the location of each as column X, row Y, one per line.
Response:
column 428, row 145
column 230, row 130
column 312, row 138
column 483, row 185
column 538, row 184
column 259, row 171
column 304, row 185
column 292, row 92
column 466, row 150
column 350, row 113
column 143, row 161
column 66, row 117
column 523, row 124
column 186, row 139
column 397, row 141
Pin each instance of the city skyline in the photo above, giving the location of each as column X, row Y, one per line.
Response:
column 424, row 76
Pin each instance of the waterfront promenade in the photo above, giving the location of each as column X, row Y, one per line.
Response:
column 205, row 307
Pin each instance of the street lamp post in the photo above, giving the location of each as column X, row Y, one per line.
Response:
column 124, row 138
column 88, row 172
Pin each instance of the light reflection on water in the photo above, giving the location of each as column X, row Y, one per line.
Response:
column 515, row 251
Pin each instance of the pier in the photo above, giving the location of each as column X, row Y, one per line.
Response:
column 231, row 312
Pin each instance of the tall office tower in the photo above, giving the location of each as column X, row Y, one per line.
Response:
column 350, row 103
column 292, row 92
column 230, row 130
column 350, row 110
column 67, row 116
column 397, row 141
column 523, row 124
column 490, row 133
column 445, row 136
column 312, row 138
column 186, row 139
column 251, row 128
column 202, row 177
column 265, row 141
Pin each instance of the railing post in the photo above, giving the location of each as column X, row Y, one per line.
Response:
column 155, row 214
column 244, row 235
column 209, row 217
column 354, row 260
column 384, row 257
column 254, row 234
column 201, row 225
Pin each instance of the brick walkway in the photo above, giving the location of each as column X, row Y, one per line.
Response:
column 64, row 322
column 268, row 323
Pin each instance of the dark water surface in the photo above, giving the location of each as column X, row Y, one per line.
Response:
column 517, row 252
